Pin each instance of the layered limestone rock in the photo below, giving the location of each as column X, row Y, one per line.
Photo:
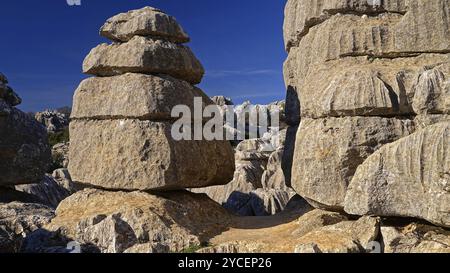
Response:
column 121, row 129
column 259, row 187
column 409, row 178
column 300, row 16
column 147, row 21
column 415, row 238
column 366, row 73
column 25, row 153
column 360, row 87
column 432, row 91
column 328, row 151
column 142, row 155
column 116, row 222
column 133, row 95
column 144, row 55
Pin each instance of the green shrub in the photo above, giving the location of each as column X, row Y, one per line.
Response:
column 59, row 137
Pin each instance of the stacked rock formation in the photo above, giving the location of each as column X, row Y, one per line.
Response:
column 121, row 120
column 121, row 140
column 367, row 74
column 24, row 158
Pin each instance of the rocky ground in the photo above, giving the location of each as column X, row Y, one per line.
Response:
column 363, row 164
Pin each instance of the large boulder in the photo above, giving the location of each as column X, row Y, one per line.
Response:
column 147, row 21
column 133, row 96
column 25, row 153
column 142, row 155
column 144, row 55
column 328, row 151
column 116, row 222
column 408, row 178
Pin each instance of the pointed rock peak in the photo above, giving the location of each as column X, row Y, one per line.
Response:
column 148, row 22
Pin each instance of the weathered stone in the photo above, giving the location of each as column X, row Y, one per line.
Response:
column 17, row 220
column 328, row 151
column 360, row 87
column 60, row 155
column 425, row 120
column 118, row 221
column 273, row 177
column 49, row 191
column 53, row 120
column 142, row 155
column 300, row 15
column 415, row 238
column 24, row 154
column 343, row 237
column 148, row 21
column 144, row 55
column 432, row 91
column 133, row 95
column 235, row 195
column 266, row 202
column 317, row 219
column 408, row 178
column 421, row 29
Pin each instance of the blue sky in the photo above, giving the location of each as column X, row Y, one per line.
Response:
column 44, row 42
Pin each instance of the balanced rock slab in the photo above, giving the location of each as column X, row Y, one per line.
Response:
column 117, row 222
column 328, row 151
column 144, row 55
column 133, row 95
column 25, row 153
column 142, row 155
column 407, row 178
column 147, row 21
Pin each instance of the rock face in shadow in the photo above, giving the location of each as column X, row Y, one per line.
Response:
column 25, row 152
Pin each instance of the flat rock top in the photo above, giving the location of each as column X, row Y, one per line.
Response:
column 147, row 21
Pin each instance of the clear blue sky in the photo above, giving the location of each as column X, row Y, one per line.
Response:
column 240, row 43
